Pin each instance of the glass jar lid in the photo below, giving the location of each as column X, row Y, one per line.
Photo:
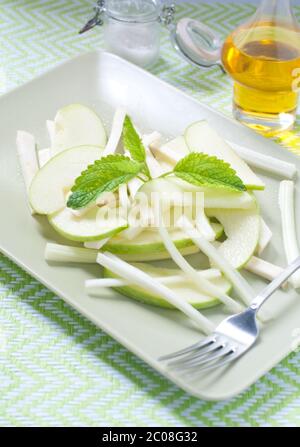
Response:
column 133, row 10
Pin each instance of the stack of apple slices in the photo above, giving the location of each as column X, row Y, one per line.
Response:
column 229, row 229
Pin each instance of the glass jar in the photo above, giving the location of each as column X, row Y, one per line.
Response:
column 263, row 57
column 132, row 27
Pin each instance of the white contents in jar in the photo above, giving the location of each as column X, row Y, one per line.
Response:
column 136, row 42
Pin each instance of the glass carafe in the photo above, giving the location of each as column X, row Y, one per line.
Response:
column 263, row 58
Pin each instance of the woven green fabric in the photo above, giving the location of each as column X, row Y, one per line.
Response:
column 56, row 368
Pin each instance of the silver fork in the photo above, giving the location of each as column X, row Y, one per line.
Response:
column 232, row 337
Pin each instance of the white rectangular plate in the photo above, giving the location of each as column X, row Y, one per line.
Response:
column 104, row 81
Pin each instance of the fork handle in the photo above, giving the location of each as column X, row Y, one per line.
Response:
column 274, row 285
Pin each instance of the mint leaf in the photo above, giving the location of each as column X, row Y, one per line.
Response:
column 133, row 143
column 204, row 170
column 105, row 175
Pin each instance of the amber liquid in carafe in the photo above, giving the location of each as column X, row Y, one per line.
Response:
column 262, row 61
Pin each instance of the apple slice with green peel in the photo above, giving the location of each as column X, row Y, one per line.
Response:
column 172, row 189
column 87, row 228
column 200, row 137
column 155, row 256
column 184, row 289
column 242, row 228
column 47, row 193
column 149, row 246
column 77, row 125
column 213, row 198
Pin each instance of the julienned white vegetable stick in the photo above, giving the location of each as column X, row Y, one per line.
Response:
column 172, row 150
column 155, row 167
column 204, row 226
column 151, row 138
column 290, row 242
column 239, row 283
column 170, row 280
column 131, row 273
column 96, row 245
column 265, row 162
column 123, row 196
column 27, row 156
column 44, row 156
column 65, row 253
column 139, row 218
column 264, row 269
column 265, row 236
column 104, row 199
column 104, row 283
column 133, row 186
column 253, row 158
column 26, row 148
column 204, row 285
column 166, row 153
column 116, row 132
column 51, row 131
column 156, row 170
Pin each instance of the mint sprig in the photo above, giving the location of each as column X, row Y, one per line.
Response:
column 133, row 143
column 204, row 170
column 105, row 175
column 108, row 173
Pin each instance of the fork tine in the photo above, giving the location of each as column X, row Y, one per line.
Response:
column 206, row 341
column 209, row 359
column 218, row 350
column 194, row 356
column 218, row 363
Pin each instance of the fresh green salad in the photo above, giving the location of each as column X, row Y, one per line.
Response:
column 137, row 197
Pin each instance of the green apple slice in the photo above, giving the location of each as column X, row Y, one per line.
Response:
column 154, row 256
column 86, row 228
column 185, row 289
column 215, row 198
column 242, row 228
column 200, row 137
column 77, row 125
column 148, row 246
column 171, row 190
column 48, row 189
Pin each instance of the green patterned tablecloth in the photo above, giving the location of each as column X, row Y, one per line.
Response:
column 56, row 368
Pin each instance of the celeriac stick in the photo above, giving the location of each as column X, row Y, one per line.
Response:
column 129, row 272
column 26, row 148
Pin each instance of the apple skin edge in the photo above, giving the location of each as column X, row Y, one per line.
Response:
column 99, row 237
column 76, row 125
column 139, row 294
column 51, row 180
column 153, row 251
